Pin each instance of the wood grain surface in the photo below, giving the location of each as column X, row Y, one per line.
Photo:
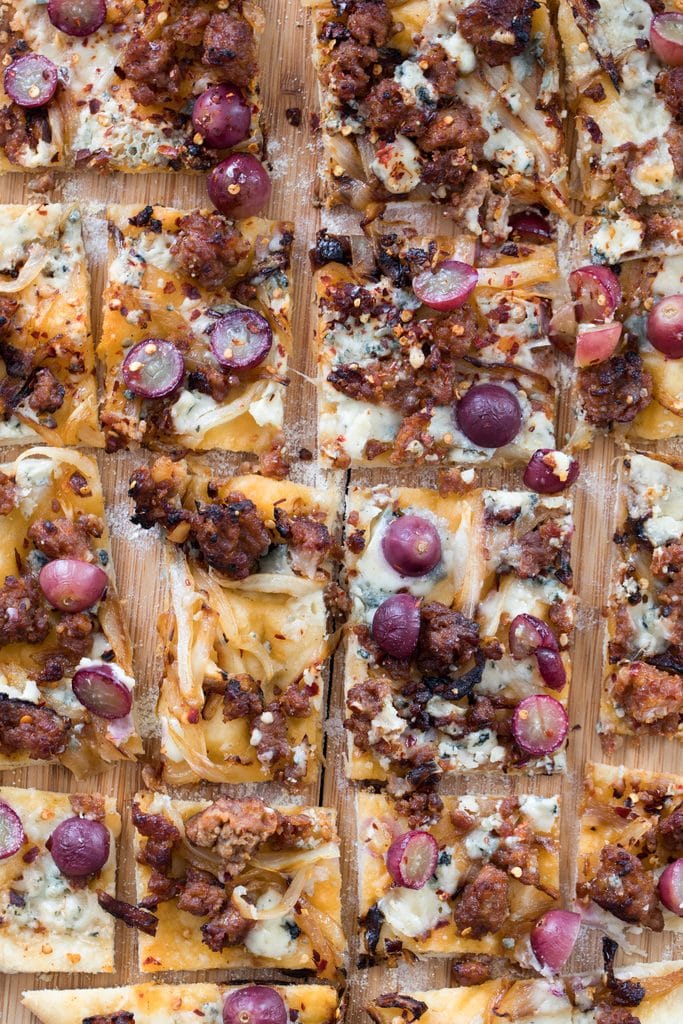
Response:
column 287, row 81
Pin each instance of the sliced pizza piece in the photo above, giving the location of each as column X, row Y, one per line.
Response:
column 643, row 687
column 196, row 330
column 456, row 103
column 424, row 361
column 631, row 833
column 66, row 676
column 58, row 860
column 455, row 656
column 236, row 883
column 132, row 94
column 185, row 1004
column 47, row 378
column 455, row 877
column 246, row 633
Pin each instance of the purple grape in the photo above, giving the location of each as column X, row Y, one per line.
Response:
column 448, row 286
column 31, row 80
column 77, row 17
column 540, row 475
column 539, row 725
column 72, row 585
column 241, row 339
column 396, row 625
column 411, row 545
column 153, row 368
column 98, row 690
column 530, row 226
column 255, row 1004
column 527, row 633
column 239, row 186
column 221, row 116
column 551, row 668
column 489, row 415
column 79, row 847
column 411, row 859
column 12, row 835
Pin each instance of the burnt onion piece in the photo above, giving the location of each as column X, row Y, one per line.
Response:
column 596, row 292
column 71, row 584
column 411, row 545
column 101, row 692
column 255, row 1004
column 665, row 327
column 79, row 847
column 412, row 858
column 12, row 835
column 553, row 938
column 540, row 474
column 77, row 17
column 539, row 725
column 31, row 80
column 222, row 116
column 153, row 368
column 448, row 286
column 489, row 415
column 239, row 186
column 241, row 339
column 666, row 37
column 396, row 625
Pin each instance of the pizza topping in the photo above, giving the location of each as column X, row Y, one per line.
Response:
column 527, row 634
column 79, row 847
column 484, row 904
column 162, row 838
column 228, row 928
column 134, row 917
column 624, row 888
column 153, row 368
column 670, row 887
column 411, row 859
column 448, row 286
column 550, row 472
column 530, row 226
column 27, row 728
column 497, row 29
column 152, row 65
column 596, row 292
column 255, row 1004
column 232, row 829
column 489, row 415
column 650, row 698
column 31, row 80
column 551, row 668
column 77, row 17
column 447, row 639
column 12, row 835
column 229, row 44
column 615, row 391
column 541, row 550
column 665, row 326
column 239, row 186
column 666, row 37
column 241, row 339
column 231, row 535
column 308, row 538
column 221, row 116
column 123, row 1017
column 396, row 625
column 596, row 343
column 22, row 615
column 99, row 689
column 554, row 937
column 539, row 725
column 66, row 538
column 207, row 247
column 615, row 1015
column 47, row 394
column 72, row 585
column 411, row 545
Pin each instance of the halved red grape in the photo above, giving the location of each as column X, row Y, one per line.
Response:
column 71, row 584
column 489, row 415
column 222, row 116
column 541, row 475
column 153, row 368
column 255, row 1004
column 396, row 625
column 77, row 17
column 411, row 545
column 448, row 286
column 79, row 846
column 99, row 690
column 530, row 226
column 595, row 344
column 241, row 339
column 527, row 634
column 239, row 186
column 31, row 80
column 670, row 887
column 551, row 668
column 666, row 37
column 665, row 326
column 596, row 291
column 12, row 835
column 554, row 937
column 539, row 725
column 412, row 858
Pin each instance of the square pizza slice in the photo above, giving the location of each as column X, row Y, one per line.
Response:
column 66, row 675
column 148, row 1003
column 486, row 869
column 643, row 687
column 630, row 841
column 413, row 351
column 453, row 660
column 236, row 883
column 58, row 863
column 246, row 634
column 47, row 378
column 148, row 87
column 453, row 102
column 196, row 330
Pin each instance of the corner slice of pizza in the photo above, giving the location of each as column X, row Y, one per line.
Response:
column 58, row 863
column 631, row 831
column 122, row 96
column 443, row 670
column 196, row 330
column 246, row 634
column 66, row 675
column 457, row 876
column 456, row 103
column 235, row 883
column 643, row 686
column 47, row 377
column 402, row 381
column 148, row 1003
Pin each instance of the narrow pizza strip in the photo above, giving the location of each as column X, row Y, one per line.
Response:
column 236, row 883
column 58, row 863
column 631, row 836
column 486, row 871
column 196, row 330
column 414, row 356
column 456, row 103
column 443, row 670
column 643, row 688
column 246, row 634
column 66, row 676
column 122, row 96
column 183, row 1004
column 47, row 379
